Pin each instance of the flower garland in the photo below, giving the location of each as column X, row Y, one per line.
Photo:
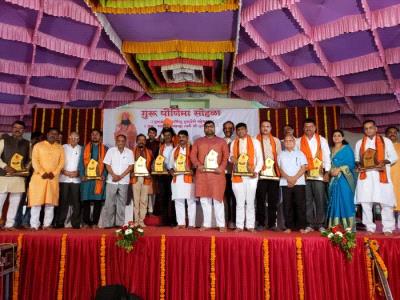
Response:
column 266, row 270
column 103, row 260
column 371, row 253
column 374, row 248
column 62, row 267
column 162, row 268
column 212, row 268
column 300, row 267
column 369, row 271
column 17, row 265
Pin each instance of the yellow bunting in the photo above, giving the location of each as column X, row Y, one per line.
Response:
column 300, row 267
column 334, row 117
column 178, row 45
column 62, row 119
column 162, row 268
column 103, row 260
column 325, row 123
column 61, row 272
column 269, row 115
column 93, row 117
column 86, row 123
column 368, row 264
column 43, row 118
column 18, row 267
column 52, row 118
column 212, row 269
column 276, row 123
column 267, row 283
column 296, row 113
column 69, row 121
column 77, row 120
column 306, row 112
column 287, row 116
column 316, row 118
column 102, row 119
column 34, row 119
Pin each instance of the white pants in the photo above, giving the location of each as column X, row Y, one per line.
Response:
column 245, row 193
column 150, row 204
column 14, row 200
column 206, row 205
column 181, row 214
column 48, row 215
column 388, row 220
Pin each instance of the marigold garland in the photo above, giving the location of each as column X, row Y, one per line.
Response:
column 368, row 264
column 61, row 272
column 374, row 247
column 103, row 260
column 212, row 268
column 17, row 265
column 162, row 268
column 300, row 267
column 267, row 283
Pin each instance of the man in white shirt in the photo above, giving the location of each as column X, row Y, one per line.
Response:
column 293, row 164
column 230, row 200
column 70, row 183
column 245, row 187
column 375, row 185
column 182, row 185
column 315, row 146
column 118, row 161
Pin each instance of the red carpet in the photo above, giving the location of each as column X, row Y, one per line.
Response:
column 243, row 268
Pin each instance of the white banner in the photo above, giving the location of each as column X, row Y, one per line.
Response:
column 131, row 121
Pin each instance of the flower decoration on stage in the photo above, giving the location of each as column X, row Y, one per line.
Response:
column 345, row 239
column 128, row 235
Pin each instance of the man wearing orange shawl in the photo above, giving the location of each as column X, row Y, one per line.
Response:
column 315, row 146
column 268, row 190
column 92, row 191
column 392, row 134
column 245, row 187
column 375, row 185
column 182, row 185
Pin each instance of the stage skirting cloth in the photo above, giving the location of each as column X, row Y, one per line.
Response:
column 179, row 264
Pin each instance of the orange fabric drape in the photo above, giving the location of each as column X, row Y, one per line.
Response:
column 380, row 153
column 273, row 146
column 149, row 157
column 87, row 154
column 187, row 178
column 250, row 153
column 305, row 148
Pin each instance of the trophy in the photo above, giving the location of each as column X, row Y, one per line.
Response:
column 158, row 166
column 316, row 172
column 140, row 167
column 269, row 171
column 211, row 161
column 241, row 168
column 369, row 160
column 180, row 165
column 16, row 163
column 92, row 170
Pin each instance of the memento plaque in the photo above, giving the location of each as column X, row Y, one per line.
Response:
column 159, row 166
column 211, row 161
column 180, row 165
column 269, row 170
column 140, row 167
column 241, row 168
column 92, row 170
column 316, row 172
column 17, row 163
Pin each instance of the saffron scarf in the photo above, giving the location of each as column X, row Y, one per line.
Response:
column 87, row 155
column 305, row 148
column 273, row 146
column 380, row 155
column 148, row 157
column 187, row 178
column 250, row 153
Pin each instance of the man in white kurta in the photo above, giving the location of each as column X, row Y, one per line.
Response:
column 182, row 186
column 371, row 190
column 244, row 187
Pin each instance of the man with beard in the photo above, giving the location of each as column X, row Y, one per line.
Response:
column 14, row 146
column 230, row 200
column 392, row 134
column 210, row 185
column 92, row 189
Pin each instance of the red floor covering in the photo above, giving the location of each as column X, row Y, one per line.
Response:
column 240, row 269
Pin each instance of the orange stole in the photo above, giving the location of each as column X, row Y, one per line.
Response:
column 187, row 178
column 250, row 153
column 380, row 153
column 147, row 181
column 305, row 148
column 87, row 155
column 273, row 146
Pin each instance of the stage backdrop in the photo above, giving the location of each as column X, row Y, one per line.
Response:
column 134, row 121
column 327, row 119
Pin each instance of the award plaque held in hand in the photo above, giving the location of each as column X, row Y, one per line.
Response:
column 92, row 170
column 140, row 168
column 159, row 167
column 211, row 161
column 369, row 161
column 16, row 162
column 316, row 172
column 180, row 165
column 269, row 171
column 242, row 166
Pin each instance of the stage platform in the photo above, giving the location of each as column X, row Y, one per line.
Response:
column 188, row 264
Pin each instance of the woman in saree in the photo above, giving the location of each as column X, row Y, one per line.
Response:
column 341, row 208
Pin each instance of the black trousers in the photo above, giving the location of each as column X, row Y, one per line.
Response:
column 164, row 205
column 267, row 190
column 97, row 205
column 69, row 196
column 316, row 203
column 230, row 200
column 294, row 206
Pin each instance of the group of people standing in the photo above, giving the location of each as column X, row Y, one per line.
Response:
column 251, row 183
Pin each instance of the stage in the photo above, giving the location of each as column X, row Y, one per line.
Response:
column 188, row 264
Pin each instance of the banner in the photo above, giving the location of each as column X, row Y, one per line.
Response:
column 132, row 122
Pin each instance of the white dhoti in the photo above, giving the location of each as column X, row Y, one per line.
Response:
column 245, row 193
column 48, row 215
column 14, row 200
column 219, row 210
column 182, row 191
